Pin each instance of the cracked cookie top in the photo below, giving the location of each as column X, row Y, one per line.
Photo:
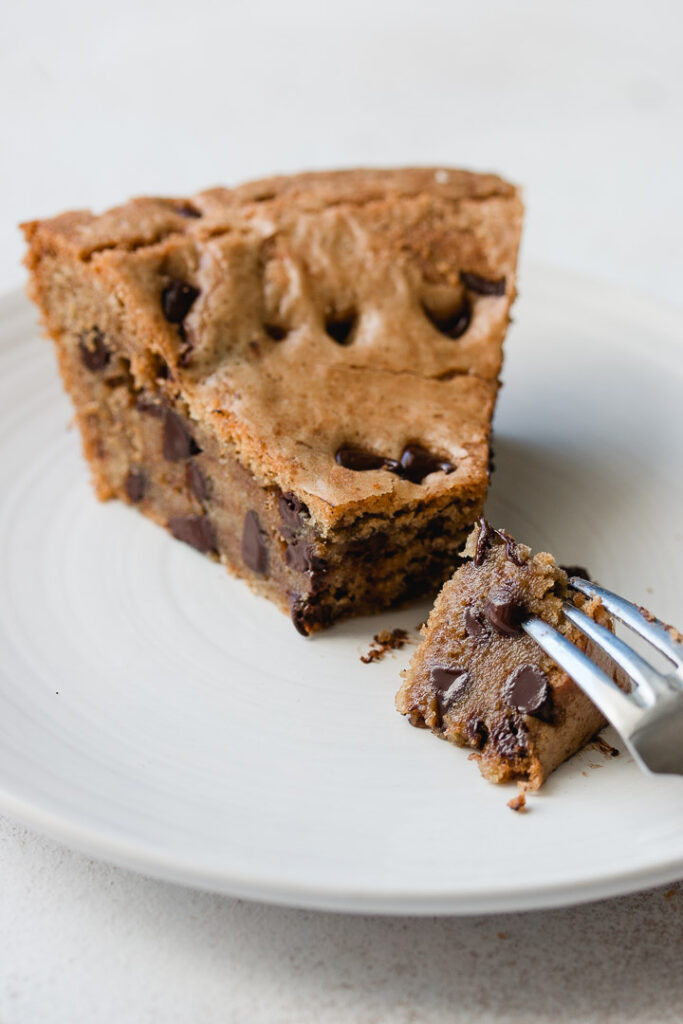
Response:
column 342, row 331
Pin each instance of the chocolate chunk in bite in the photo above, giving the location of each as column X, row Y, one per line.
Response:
column 527, row 690
column 505, row 613
column 449, row 684
column 254, row 548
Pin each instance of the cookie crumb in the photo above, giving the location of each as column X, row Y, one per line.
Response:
column 384, row 641
column 601, row 744
column 518, row 803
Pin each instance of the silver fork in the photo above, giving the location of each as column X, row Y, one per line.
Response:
column 650, row 718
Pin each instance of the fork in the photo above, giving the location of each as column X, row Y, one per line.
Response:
column 649, row 719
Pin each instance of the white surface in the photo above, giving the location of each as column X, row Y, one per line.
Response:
column 580, row 102
column 172, row 721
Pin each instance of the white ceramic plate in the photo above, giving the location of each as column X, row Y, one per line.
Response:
column 155, row 713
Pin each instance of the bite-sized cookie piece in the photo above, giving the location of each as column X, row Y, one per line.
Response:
column 479, row 681
column 296, row 376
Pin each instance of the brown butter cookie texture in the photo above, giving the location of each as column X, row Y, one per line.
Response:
column 296, row 375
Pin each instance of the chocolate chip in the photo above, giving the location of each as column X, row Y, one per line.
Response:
column 360, row 460
column 504, row 613
column 473, row 625
column 254, row 549
column 449, row 685
column 482, row 285
column 178, row 442
column 476, row 732
column 292, row 510
column 577, row 570
column 177, row 299
column 135, row 485
column 527, row 690
column 94, row 353
column 417, row 462
column 195, row 531
column 339, row 328
column 509, row 737
column 187, row 209
column 454, row 324
column 197, row 482
column 275, row 331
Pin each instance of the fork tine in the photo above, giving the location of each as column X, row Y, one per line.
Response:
column 651, row 629
column 642, row 673
column 621, row 710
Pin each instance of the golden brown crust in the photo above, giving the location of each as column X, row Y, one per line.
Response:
column 288, row 256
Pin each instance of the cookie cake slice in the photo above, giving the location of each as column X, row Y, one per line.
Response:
column 296, row 376
column 479, row 681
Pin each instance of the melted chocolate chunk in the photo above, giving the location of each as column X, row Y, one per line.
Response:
column 360, row 460
column 197, row 482
column 94, row 353
column 178, row 442
column 486, row 535
column 195, row 531
column 505, row 613
column 483, row 540
column 454, row 324
column 476, row 732
column 577, row 570
column 509, row 737
column 135, row 485
column 449, row 685
column 482, row 285
column 275, row 331
column 527, row 690
column 177, row 299
column 299, row 556
column 254, row 549
column 306, row 614
column 417, row 462
column 340, row 328
column 473, row 625
column 292, row 510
